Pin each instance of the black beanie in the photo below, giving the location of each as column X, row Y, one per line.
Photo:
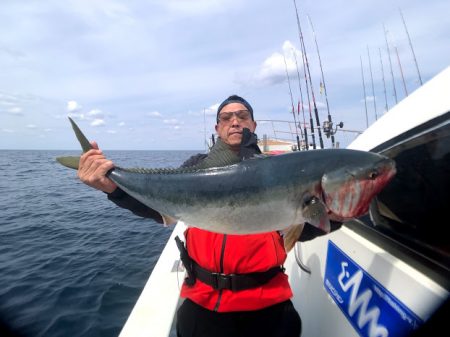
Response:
column 235, row 99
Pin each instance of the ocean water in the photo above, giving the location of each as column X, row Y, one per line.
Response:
column 72, row 263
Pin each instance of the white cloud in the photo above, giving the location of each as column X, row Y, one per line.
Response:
column 98, row 122
column 31, row 126
column 200, row 7
column 154, row 114
column 95, row 113
column 15, row 110
column 73, row 106
column 102, row 58
column 172, row 121
column 212, row 110
column 273, row 69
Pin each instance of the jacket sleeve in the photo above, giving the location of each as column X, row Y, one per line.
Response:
column 124, row 200
column 310, row 232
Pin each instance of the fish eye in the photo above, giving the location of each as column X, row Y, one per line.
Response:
column 309, row 200
column 373, row 174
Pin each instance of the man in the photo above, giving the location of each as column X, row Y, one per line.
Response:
column 236, row 285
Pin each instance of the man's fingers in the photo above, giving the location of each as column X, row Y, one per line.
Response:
column 92, row 160
column 94, row 144
column 105, row 167
column 85, row 157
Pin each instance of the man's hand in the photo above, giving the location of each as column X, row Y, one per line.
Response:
column 92, row 170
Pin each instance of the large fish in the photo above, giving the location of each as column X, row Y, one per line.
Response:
column 260, row 194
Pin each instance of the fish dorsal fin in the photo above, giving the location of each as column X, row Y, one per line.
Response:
column 219, row 155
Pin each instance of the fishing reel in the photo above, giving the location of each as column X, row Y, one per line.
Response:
column 328, row 128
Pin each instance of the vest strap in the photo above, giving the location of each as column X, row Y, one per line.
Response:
column 218, row 281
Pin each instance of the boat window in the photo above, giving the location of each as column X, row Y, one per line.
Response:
column 414, row 208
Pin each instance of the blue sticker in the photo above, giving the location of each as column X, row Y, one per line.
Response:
column 369, row 307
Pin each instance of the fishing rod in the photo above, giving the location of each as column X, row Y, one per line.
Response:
column 384, row 82
column 400, row 66
column 316, row 112
column 390, row 65
column 330, row 125
column 305, row 130
column 364, row 88
column 401, row 70
column 373, row 88
column 311, row 123
column 412, row 49
column 292, row 102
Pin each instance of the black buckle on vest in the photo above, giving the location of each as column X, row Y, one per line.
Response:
column 219, row 281
column 222, row 281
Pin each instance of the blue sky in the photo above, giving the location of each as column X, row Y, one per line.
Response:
column 149, row 74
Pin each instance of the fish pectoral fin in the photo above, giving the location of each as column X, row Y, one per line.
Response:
column 323, row 223
column 168, row 220
column 315, row 213
column 69, row 161
column 291, row 235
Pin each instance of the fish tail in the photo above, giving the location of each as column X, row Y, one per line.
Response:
column 70, row 162
column 73, row 161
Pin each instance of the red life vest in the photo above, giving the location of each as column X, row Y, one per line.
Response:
column 237, row 254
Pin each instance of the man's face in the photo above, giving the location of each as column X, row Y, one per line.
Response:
column 232, row 120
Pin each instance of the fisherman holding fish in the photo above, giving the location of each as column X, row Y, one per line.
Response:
column 235, row 284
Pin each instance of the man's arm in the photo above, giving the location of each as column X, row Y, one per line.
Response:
column 92, row 171
column 124, row 200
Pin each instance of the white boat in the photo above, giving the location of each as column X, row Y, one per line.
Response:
column 381, row 275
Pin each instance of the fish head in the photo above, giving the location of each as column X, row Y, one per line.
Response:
column 348, row 191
